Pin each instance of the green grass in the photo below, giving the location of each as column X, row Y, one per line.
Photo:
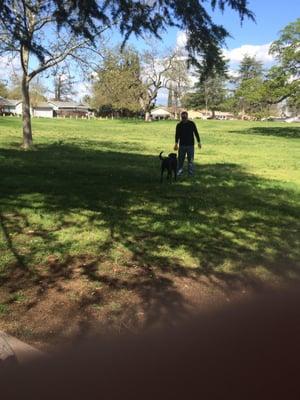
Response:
column 3, row 309
column 92, row 188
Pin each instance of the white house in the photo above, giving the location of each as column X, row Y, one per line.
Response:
column 48, row 109
column 54, row 108
column 68, row 108
column 161, row 113
column 44, row 110
column 11, row 107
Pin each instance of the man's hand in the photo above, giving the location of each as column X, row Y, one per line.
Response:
column 176, row 147
column 199, row 145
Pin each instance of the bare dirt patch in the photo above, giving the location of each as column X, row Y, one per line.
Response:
column 59, row 302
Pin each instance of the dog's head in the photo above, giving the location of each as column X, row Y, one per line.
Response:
column 172, row 155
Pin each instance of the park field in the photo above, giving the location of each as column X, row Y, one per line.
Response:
column 89, row 238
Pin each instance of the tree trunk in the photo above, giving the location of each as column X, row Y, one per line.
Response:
column 147, row 116
column 27, row 132
column 213, row 113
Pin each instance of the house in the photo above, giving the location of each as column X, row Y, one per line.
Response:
column 194, row 114
column 53, row 108
column 48, row 109
column 68, row 109
column 223, row 115
column 161, row 113
column 205, row 114
column 10, row 107
column 44, row 110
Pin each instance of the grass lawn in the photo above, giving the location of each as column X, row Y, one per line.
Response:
column 89, row 236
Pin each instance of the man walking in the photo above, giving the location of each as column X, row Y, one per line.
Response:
column 185, row 131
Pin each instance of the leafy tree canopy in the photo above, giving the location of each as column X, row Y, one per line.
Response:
column 287, row 48
column 250, row 68
column 86, row 17
column 3, row 89
column 118, row 81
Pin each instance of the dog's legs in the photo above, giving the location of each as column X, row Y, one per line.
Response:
column 161, row 175
column 169, row 176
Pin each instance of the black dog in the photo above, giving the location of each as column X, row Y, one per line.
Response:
column 170, row 164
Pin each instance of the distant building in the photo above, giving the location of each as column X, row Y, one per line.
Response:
column 53, row 108
column 44, row 110
column 284, row 110
column 47, row 109
column 161, row 113
column 10, row 107
column 205, row 114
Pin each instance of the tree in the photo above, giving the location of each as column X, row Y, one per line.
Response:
column 284, row 78
column 27, row 29
column 170, row 96
column 84, row 17
column 37, row 92
column 257, row 92
column 37, row 89
column 250, row 90
column 286, row 49
column 210, row 93
column 24, row 25
column 179, row 80
column 251, row 97
column 117, row 86
column 3, row 89
column 155, row 75
column 250, row 68
column 63, row 83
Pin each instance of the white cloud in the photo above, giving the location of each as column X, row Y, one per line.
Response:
column 260, row 52
column 181, row 39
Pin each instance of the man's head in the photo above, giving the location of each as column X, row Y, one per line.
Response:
column 184, row 115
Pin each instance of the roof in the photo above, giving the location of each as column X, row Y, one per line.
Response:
column 63, row 104
column 15, row 102
column 161, row 110
column 44, row 105
column 9, row 102
column 67, row 104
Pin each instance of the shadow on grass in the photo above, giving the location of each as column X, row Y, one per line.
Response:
column 279, row 131
column 226, row 227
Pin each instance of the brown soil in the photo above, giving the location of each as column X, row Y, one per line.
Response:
column 60, row 302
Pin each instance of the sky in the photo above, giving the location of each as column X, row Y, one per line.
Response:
column 249, row 38
column 271, row 16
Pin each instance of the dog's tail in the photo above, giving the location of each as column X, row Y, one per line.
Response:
column 160, row 155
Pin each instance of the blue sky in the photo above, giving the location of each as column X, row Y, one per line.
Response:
column 271, row 17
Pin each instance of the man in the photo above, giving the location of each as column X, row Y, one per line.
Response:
column 185, row 131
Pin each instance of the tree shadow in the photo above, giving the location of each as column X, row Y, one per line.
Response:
column 278, row 131
column 225, row 227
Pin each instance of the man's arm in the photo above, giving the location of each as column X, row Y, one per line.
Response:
column 197, row 135
column 177, row 136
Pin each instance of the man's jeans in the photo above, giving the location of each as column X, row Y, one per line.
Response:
column 189, row 151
